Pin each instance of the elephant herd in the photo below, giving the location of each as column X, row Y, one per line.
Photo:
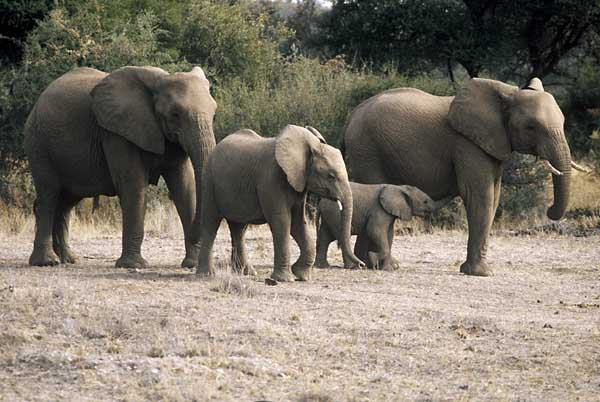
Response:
column 407, row 152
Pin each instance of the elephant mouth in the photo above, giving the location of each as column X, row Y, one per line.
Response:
column 549, row 167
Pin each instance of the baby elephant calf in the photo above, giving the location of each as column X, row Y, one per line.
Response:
column 376, row 207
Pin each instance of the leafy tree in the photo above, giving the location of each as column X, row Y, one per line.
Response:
column 515, row 39
column 17, row 19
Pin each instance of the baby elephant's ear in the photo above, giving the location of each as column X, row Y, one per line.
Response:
column 395, row 202
column 293, row 148
column 316, row 134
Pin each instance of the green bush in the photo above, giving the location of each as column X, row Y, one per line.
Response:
column 306, row 92
column 231, row 41
column 522, row 193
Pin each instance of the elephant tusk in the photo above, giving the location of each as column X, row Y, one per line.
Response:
column 339, row 203
column 552, row 169
column 580, row 168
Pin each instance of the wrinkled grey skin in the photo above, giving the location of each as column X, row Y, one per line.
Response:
column 450, row 146
column 254, row 180
column 94, row 133
column 376, row 208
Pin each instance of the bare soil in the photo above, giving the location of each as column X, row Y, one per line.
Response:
column 91, row 332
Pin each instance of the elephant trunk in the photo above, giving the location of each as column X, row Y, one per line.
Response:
column 346, row 225
column 560, row 158
column 199, row 148
column 442, row 202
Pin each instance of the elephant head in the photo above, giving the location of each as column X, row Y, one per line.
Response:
column 501, row 118
column 311, row 165
column 149, row 106
column 404, row 202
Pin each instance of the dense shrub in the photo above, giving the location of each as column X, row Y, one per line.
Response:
column 307, row 92
column 231, row 41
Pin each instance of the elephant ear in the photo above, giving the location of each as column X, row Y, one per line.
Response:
column 123, row 103
column 478, row 112
column 395, row 202
column 293, row 148
column 317, row 134
column 535, row 85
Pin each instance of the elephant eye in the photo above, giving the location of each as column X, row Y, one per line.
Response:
column 332, row 175
column 175, row 114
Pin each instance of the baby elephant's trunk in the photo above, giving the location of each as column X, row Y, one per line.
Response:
column 442, row 203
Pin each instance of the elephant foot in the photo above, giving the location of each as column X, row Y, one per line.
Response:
column 476, row 269
column 68, row 257
column 390, row 267
column 131, row 261
column 191, row 256
column 302, row 273
column 189, row 262
column 283, row 276
column 353, row 265
column 322, row 263
column 44, row 258
column 249, row 270
column 205, row 270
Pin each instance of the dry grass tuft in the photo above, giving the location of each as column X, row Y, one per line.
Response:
column 316, row 396
column 234, row 284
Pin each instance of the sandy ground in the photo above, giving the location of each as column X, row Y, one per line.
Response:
column 424, row 332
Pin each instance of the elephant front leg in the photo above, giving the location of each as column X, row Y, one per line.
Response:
column 391, row 263
column 133, row 208
column 280, row 225
column 481, row 208
column 181, row 184
column 303, row 267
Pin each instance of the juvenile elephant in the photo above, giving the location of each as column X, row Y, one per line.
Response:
column 94, row 133
column 450, row 146
column 254, row 180
column 376, row 208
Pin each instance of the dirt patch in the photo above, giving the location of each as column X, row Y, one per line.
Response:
column 424, row 332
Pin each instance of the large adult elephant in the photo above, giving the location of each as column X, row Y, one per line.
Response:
column 94, row 133
column 457, row 145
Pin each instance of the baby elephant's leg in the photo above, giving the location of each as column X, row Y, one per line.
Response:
column 324, row 239
column 361, row 250
column 378, row 230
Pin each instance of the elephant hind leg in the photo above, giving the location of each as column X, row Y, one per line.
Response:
column 47, row 189
column 239, row 256
column 60, row 229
